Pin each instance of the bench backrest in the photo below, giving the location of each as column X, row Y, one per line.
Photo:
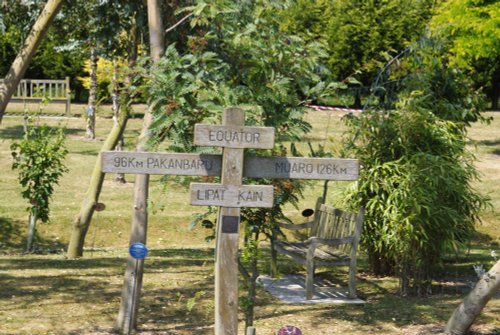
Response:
column 333, row 223
column 54, row 89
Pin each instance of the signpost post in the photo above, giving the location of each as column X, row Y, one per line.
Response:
column 230, row 195
column 233, row 137
column 138, row 251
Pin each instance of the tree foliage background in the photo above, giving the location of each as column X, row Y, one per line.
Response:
column 471, row 30
column 360, row 34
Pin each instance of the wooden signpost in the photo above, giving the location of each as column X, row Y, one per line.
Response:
column 230, row 195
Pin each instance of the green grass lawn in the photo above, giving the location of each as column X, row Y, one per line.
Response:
column 44, row 293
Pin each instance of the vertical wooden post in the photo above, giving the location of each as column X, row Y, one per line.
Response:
column 132, row 283
column 130, row 293
column 226, row 259
column 68, row 97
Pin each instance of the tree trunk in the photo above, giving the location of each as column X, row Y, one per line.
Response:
column 82, row 221
column 91, row 108
column 120, row 177
column 132, row 284
column 26, row 53
column 252, row 287
column 357, row 99
column 31, row 230
column 465, row 314
column 495, row 93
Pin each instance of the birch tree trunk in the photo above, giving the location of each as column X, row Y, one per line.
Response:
column 132, row 284
column 26, row 53
column 91, row 108
column 115, row 97
column 31, row 230
column 465, row 314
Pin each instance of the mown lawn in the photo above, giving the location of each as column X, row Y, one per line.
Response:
column 45, row 293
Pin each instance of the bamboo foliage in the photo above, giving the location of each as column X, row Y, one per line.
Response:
column 416, row 178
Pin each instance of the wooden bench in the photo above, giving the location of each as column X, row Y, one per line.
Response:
column 36, row 90
column 332, row 241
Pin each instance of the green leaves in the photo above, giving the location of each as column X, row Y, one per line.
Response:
column 239, row 57
column 39, row 158
column 416, row 175
column 359, row 33
column 471, row 30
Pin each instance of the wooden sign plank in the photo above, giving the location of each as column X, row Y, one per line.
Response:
column 231, row 196
column 210, row 165
column 161, row 163
column 233, row 136
column 301, row 168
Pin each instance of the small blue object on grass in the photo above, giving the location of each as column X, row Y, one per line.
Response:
column 138, row 250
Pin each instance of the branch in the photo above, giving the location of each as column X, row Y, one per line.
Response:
column 179, row 23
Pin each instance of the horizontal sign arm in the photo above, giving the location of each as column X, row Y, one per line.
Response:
column 210, row 165
column 161, row 163
column 234, row 136
column 231, row 195
column 301, row 168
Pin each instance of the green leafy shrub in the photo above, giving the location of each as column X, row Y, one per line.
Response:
column 39, row 157
column 416, row 174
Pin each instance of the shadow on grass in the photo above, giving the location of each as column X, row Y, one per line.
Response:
column 17, row 132
column 384, row 306
column 177, row 288
column 9, row 232
column 13, row 239
column 177, row 295
column 489, row 143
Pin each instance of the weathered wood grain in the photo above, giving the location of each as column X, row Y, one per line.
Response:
column 234, row 136
column 188, row 164
column 231, row 196
column 301, row 168
column 333, row 241
column 161, row 163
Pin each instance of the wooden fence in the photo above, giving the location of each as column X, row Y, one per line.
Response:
column 35, row 90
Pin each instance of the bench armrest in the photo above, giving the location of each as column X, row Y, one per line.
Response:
column 331, row 242
column 297, row 226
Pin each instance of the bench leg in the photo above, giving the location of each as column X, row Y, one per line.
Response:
column 310, row 280
column 352, row 281
column 274, row 260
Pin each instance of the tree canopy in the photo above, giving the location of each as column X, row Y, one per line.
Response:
column 472, row 29
column 360, row 35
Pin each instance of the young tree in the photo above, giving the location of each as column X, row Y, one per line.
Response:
column 91, row 109
column 26, row 52
column 39, row 157
column 133, row 273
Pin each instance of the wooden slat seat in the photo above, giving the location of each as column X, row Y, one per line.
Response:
column 332, row 241
column 321, row 257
